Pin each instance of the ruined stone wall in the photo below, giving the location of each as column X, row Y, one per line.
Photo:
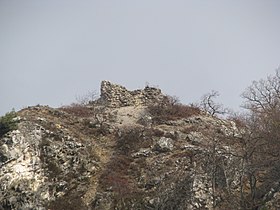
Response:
column 113, row 95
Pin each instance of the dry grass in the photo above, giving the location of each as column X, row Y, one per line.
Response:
column 77, row 110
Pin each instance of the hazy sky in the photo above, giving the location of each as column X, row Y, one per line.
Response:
column 54, row 50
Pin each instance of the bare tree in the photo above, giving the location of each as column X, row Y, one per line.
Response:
column 209, row 105
column 261, row 148
column 263, row 95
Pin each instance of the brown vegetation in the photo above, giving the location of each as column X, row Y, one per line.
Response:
column 78, row 110
column 115, row 176
column 171, row 110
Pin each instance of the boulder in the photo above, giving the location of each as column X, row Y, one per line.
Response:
column 164, row 144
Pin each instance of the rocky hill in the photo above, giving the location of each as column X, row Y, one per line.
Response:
column 126, row 150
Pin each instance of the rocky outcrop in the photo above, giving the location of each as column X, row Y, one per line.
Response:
column 113, row 95
column 42, row 162
column 23, row 180
column 164, row 144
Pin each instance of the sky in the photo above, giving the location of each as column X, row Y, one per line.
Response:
column 53, row 51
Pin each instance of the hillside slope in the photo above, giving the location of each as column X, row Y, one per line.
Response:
column 122, row 152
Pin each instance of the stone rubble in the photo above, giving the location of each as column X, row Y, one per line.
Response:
column 114, row 96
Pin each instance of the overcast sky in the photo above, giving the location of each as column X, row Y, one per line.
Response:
column 54, row 50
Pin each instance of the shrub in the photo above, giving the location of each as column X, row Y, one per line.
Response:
column 132, row 140
column 115, row 176
column 171, row 110
column 87, row 98
column 8, row 123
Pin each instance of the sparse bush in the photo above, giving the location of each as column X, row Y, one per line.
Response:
column 78, row 110
column 115, row 176
column 8, row 123
column 171, row 110
column 87, row 98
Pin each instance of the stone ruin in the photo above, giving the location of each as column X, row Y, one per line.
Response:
column 115, row 96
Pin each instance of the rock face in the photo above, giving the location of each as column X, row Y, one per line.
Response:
column 23, row 182
column 113, row 95
column 105, row 157
column 40, row 162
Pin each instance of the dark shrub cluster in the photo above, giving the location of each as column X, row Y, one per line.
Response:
column 134, row 139
column 8, row 123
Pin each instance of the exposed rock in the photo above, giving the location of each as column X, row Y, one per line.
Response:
column 39, row 166
column 195, row 137
column 23, row 180
column 142, row 153
column 164, row 144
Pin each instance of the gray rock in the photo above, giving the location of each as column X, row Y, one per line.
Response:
column 143, row 152
column 195, row 137
column 164, row 144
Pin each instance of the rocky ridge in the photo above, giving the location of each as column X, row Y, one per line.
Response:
column 116, row 156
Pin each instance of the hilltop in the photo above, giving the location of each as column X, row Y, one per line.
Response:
column 126, row 150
